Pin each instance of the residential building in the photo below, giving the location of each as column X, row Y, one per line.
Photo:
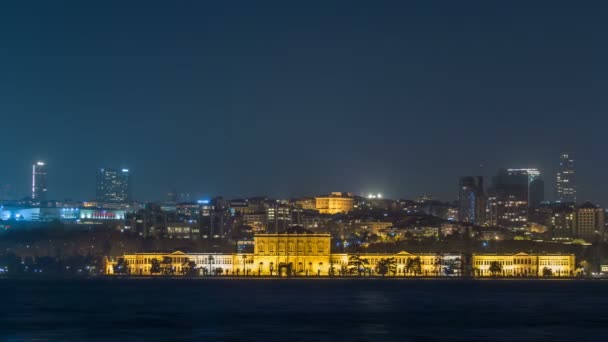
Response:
column 472, row 200
column 562, row 223
column 589, row 222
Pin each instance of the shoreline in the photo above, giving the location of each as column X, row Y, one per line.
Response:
column 254, row 278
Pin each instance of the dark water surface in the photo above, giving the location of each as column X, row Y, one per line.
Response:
column 303, row 310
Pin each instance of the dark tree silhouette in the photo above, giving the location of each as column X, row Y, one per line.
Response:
column 495, row 268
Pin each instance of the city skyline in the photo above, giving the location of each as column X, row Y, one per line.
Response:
column 119, row 190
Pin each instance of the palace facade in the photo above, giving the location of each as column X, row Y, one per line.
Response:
column 300, row 252
column 524, row 265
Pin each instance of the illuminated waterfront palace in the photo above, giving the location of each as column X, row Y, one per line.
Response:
column 299, row 252
column 523, row 265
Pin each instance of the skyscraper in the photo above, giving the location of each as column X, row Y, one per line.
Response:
column 509, row 199
column 566, row 181
column 514, row 192
column 113, row 186
column 536, row 185
column 39, row 181
column 471, row 200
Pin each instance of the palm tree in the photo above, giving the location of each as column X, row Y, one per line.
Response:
column 438, row 263
column 122, row 266
column 155, row 266
column 189, row 268
column 167, row 266
column 355, row 261
column 495, row 268
column 332, row 268
column 452, row 266
column 385, row 266
column 413, row 265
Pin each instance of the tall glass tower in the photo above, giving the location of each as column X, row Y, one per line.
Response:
column 566, row 180
column 39, row 181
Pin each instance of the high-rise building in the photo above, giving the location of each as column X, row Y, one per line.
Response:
column 509, row 199
column 39, row 181
column 589, row 222
column 566, row 181
column 515, row 191
column 471, row 200
column 536, row 185
column 562, row 222
column 113, row 185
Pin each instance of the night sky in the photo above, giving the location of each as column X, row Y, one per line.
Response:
column 294, row 98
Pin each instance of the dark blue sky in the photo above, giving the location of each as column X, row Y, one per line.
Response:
column 284, row 98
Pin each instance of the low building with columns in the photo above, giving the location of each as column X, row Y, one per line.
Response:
column 524, row 265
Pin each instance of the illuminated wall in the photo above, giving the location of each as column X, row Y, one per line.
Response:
column 334, row 204
column 102, row 214
column 296, row 251
column 523, row 265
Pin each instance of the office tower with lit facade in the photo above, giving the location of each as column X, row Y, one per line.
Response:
column 509, row 199
column 113, row 185
column 39, row 188
column 471, row 200
column 515, row 191
column 566, row 181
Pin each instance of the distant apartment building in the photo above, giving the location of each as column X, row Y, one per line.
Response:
column 181, row 230
column 334, row 203
column 278, row 217
column 373, row 226
column 589, row 222
column 562, row 223
column 255, row 220
column 306, row 203
column 113, row 185
column 471, row 200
